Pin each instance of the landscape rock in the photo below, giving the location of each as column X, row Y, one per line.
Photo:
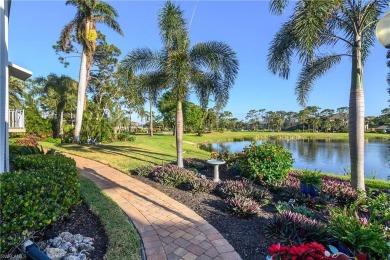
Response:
column 55, row 253
column 67, row 247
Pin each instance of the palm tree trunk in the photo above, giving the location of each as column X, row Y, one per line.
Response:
column 179, row 134
column 60, row 119
column 356, row 119
column 151, row 117
column 80, row 97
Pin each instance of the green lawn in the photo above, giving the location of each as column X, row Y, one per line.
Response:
column 145, row 150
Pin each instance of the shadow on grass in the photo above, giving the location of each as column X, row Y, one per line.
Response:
column 122, row 151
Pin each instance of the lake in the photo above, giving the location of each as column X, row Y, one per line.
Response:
column 330, row 156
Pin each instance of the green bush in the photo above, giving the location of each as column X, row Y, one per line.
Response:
column 126, row 136
column 313, row 178
column 360, row 234
column 52, row 140
column 265, row 163
column 44, row 188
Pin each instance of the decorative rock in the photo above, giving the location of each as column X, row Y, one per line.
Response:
column 56, row 242
column 67, row 247
column 66, row 236
column 72, row 249
column 70, row 257
column 86, row 247
column 64, row 246
column 87, row 240
column 55, row 253
column 78, row 238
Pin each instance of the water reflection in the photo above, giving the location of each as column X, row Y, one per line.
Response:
column 324, row 155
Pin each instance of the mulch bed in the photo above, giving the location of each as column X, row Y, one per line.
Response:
column 80, row 221
column 245, row 235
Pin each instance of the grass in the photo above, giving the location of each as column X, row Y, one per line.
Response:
column 123, row 240
column 146, row 150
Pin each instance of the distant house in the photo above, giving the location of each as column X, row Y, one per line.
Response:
column 382, row 128
column 343, row 118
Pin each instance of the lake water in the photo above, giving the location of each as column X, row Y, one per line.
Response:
column 324, row 155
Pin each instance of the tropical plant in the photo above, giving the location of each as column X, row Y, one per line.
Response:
column 242, row 205
column 316, row 24
column 359, row 233
column 292, row 228
column 82, row 29
column 208, row 68
column 265, row 163
column 62, row 91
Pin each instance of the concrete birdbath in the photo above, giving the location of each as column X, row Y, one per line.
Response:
column 216, row 164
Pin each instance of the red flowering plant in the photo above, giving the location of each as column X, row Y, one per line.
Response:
column 308, row 251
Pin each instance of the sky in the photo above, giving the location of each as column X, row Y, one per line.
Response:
column 247, row 26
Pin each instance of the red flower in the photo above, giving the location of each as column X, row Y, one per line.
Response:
column 260, row 176
column 268, row 158
column 278, row 249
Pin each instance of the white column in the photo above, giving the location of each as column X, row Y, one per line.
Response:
column 4, row 157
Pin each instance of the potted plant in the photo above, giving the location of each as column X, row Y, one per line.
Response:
column 310, row 182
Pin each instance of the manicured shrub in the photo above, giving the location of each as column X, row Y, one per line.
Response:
column 44, row 188
column 293, row 228
column 172, row 175
column 232, row 188
column 265, row 163
column 360, row 234
column 203, row 185
column 242, row 206
column 52, row 140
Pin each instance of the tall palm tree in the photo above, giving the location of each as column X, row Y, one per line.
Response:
column 82, row 28
column 315, row 24
column 208, row 68
column 149, row 84
column 61, row 90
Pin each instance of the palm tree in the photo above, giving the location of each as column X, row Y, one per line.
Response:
column 82, row 29
column 61, row 90
column 208, row 68
column 149, row 86
column 315, row 24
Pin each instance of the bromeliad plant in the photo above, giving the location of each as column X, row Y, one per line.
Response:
column 173, row 175
column 290, row 227
column 232, row 188
column 265, row 163
column 242, row 206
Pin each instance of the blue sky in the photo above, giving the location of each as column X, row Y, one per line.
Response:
column 247, row 26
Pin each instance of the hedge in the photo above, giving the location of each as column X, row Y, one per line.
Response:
column 41, row 189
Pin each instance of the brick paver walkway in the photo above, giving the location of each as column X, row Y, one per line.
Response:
column 169, row 230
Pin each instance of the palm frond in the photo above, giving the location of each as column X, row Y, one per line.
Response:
column 309, row 21
column 142, row 59
column 110, row 22
column 310, row 73
column 280, row 51
column 218, row 57
column 172, row 26
column 277, row 6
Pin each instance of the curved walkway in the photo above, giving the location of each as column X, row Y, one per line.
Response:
column 169, row 229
